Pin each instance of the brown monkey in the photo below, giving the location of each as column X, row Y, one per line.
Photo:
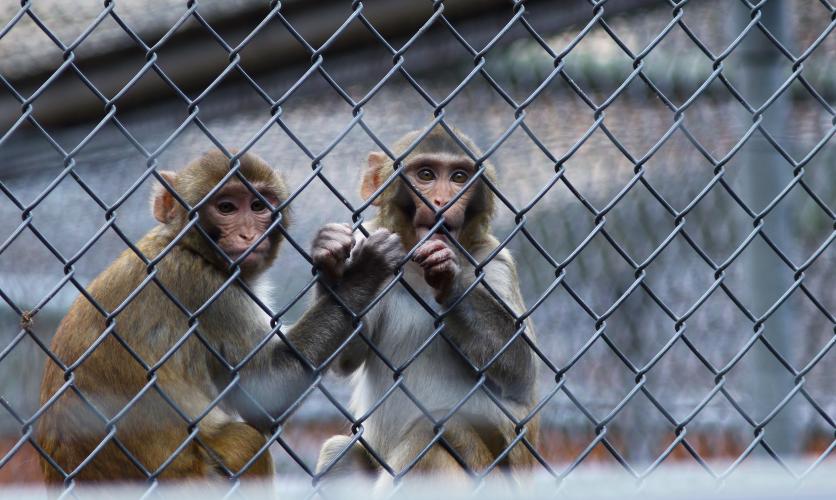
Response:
column 172, row 428
column 478, row 324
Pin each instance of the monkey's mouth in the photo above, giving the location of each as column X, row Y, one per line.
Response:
column 253, row 257
column 439, row 234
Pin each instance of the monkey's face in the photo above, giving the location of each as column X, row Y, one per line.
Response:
column 439, row 177
column 236, row 218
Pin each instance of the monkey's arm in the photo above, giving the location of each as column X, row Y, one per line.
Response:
column 277, row 376
column 481, row 327
column 353, row 354
column 330, row 254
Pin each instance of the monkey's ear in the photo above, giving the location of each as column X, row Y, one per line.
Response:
column 163, row 203
column 371, row 177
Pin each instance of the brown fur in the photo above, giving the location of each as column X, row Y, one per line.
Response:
column 151, row 324
column 392, row 217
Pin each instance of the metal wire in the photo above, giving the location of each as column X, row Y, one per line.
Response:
column 518, row 18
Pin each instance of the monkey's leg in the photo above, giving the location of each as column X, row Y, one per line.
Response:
column 437, row 459
column 356, row 460
column 461, row 435
column 475, row 441
column 235, row 443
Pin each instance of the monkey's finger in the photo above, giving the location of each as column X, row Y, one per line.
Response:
column 337, row 247
column 337, row 232
column 330, row 252
column 335, row 244
column 346, row 229
column 332, row 233
column 347, row 232
column 438, row 257
column 434, row 245
column 327, row 230
column 344, row 241
column 339, row 238
column 440, row 272
column 323, row 258
column 428, row 249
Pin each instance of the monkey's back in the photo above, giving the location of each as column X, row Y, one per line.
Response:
column 106, row 376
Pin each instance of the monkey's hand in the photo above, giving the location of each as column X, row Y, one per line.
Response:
column 330, row 250
column 372, row 264
column 441, row 267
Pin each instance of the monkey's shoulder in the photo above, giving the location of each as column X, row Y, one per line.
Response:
column 483, row 252
column 178, row 276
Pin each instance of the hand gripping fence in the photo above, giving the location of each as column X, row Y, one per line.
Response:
column 554, row 380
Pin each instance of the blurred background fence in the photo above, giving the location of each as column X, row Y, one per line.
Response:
column 683, row 151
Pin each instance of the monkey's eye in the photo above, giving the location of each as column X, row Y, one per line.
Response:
column 226, row 207
column 459, row 177
column 426, row 174
column 258, row 206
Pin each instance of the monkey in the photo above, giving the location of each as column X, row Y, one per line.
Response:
column 476, row 324
column 152, row 375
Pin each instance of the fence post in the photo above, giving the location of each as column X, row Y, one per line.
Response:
column 766, row 173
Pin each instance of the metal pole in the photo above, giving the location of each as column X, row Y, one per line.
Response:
column 763, row 72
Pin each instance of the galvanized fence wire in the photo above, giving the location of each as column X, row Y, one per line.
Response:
column 518, row 16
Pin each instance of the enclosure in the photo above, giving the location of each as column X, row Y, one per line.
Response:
column 666, row 183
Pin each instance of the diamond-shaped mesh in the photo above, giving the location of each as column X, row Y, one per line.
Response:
column 666, row 184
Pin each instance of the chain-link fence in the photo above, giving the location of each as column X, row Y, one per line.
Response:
column 665, row 184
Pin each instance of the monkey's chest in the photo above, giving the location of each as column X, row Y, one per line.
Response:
column 432, row 373
column 404, row 327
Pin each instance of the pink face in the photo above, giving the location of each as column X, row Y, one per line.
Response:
column 439, row 180
column 236, row 218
